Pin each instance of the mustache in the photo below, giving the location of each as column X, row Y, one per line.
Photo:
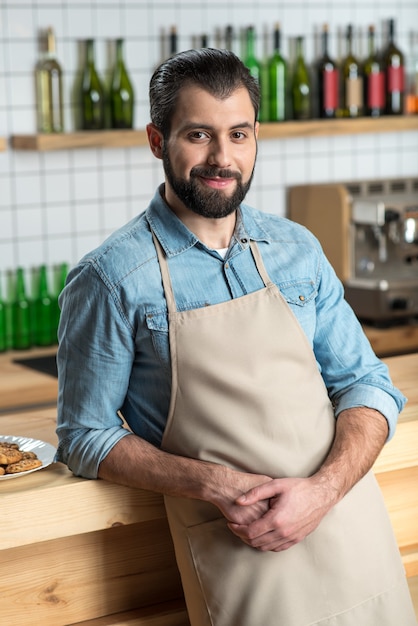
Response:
column 213, row 172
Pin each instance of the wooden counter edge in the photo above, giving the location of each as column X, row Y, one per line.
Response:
column 63, row 505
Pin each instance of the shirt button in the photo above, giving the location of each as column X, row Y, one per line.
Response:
column 226, row 266
column 302, row 298
column 244, row 240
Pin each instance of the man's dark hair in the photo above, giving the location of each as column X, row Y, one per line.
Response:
column 219, row 72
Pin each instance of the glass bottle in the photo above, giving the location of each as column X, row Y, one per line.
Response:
column 229, row 38
column 92, row 93
column 173, row 40
column 374, row 80
column 301, row 89
column 352, row 81
column 394, row 65
column 252, row 63
column 3, row 322
column 121, row 92
column 60, row 276
column 21, row 314
column 278, row 77
column 411, row 97
column 43, row 310
column 49, row 102
column 328, row 80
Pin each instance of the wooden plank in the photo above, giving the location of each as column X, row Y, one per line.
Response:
column 402, row 450
column 393, row 340
column 163, row 614
column 400, row 492
column 413, row 588
column 88, row 576
column 3, row 144
column 320, row 128
column 85, row 139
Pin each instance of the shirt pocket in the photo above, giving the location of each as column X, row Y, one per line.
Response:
column 299, row 293
column 157, row 324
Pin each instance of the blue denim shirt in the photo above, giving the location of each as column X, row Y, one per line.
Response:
column 113, row 354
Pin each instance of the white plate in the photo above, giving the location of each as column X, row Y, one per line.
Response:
column 44, row 451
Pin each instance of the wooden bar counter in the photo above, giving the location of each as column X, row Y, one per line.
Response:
column 75, row 551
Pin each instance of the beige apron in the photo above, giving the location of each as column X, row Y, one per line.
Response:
column 246, row 392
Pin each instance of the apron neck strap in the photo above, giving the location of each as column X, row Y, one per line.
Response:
column 259, row 264
column 165, row 275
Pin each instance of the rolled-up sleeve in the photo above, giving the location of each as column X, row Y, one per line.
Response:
column 94, row 361
column 353, row 374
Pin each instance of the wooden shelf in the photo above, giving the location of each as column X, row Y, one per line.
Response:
column 81, row 139
column 3, row 144
column 322, row 128
column 284, row 130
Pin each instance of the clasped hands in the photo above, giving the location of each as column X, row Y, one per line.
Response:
column 278, row 513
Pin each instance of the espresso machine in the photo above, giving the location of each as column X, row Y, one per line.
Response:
column 369, row 232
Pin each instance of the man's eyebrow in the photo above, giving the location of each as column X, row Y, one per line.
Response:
column 196, row 126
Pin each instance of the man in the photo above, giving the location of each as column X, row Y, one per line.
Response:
column 222, row 336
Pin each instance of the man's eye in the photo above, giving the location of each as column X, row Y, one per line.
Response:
column 198, row 134
column 238, row 134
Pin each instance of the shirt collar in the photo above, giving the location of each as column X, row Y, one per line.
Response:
column 176, row 238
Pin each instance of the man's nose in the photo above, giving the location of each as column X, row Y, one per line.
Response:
column 219, row 153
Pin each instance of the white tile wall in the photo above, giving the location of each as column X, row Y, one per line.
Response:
column 56, row 206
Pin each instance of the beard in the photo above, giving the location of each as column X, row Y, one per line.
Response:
column 212, row 203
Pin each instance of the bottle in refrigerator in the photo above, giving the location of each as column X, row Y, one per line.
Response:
column 374, row 79
column 351, row 80
column 93, row 111
column 49, row 98
column 122, row 96
column 278, row 81
column 394, row 65
column 301, row 87
column 328, row 80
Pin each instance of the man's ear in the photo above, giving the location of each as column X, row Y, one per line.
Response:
column 155, row 140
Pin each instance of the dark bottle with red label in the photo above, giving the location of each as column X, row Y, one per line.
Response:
column 328, row 80
column 394, row 75
column 374, row 80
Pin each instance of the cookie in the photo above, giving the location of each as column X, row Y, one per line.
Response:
column 23, row 466
column 9, row 444
column 2, row 471
column 9, row 455
column 28, row 455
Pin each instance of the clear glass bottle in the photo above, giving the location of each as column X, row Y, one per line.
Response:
column 351, row 81
column 301, row 88
column 328, row 80
column 48, row 80
column 93, row 111
column 278, row 81
column 394, row 64
column 122, row 98
column 374, row 79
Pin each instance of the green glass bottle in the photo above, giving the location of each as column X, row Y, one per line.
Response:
column 351, row 81
column 3, row 322
column 301, row 89
column 43, row 310
column 278, row 77
column 21, row 314
column 93, row 106
column 121, row 92
column 251, row 61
